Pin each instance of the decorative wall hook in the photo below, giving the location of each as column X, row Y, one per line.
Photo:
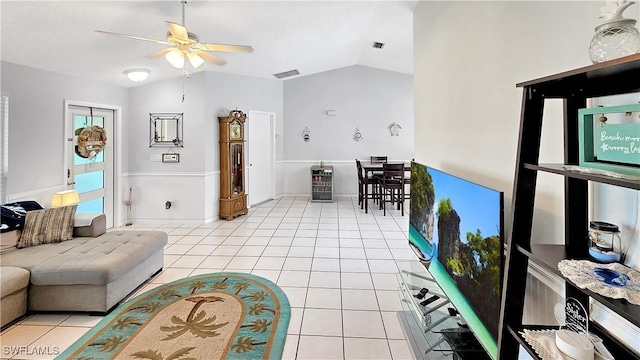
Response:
column 394, row 129
column 306, row 134
column 357, row 136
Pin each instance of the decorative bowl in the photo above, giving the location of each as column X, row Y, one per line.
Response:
column 611, row 277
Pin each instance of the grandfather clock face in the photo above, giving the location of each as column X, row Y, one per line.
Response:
column 235, row 130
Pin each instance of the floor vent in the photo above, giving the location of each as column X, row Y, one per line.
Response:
column 287, row 74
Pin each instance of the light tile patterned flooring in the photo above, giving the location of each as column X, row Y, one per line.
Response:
column 337, row 265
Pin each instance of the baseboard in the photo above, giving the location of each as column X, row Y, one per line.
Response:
column 165, row 222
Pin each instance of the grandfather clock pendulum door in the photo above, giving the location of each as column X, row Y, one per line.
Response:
column 233, row 199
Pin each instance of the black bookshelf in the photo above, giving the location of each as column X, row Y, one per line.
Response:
column 613, row 77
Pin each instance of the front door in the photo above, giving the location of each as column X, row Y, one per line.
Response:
column 260, row 145
column 91, row 173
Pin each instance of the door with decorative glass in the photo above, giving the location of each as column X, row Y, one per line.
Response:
column 91, row 171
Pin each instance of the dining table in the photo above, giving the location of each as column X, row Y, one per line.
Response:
column 370, row 168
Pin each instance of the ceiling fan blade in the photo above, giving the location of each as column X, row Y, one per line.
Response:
column 159, row 53
column 209, row 57
column 226, row 48
column 134, row 37
column 178, row 31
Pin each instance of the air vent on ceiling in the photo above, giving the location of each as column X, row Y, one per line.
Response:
column 378, row 45
column 287, row 74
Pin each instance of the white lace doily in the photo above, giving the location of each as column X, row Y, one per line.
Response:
column 544, row 344
column 581, row 273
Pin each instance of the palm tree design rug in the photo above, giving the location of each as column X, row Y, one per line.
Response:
column 210, row 316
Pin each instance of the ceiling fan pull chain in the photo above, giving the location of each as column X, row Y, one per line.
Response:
column 183, row 80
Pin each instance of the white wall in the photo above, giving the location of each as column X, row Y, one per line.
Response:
column 468, row 57
column 362, row 97
column 36, row 125
column 192, row 185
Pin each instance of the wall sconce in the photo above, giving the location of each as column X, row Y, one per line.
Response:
column 137, row 75
column 65, row 198
column 306, row 134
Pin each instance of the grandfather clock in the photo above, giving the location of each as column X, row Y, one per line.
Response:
column 233, row 199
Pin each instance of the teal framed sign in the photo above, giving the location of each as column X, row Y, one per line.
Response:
column 610, row 138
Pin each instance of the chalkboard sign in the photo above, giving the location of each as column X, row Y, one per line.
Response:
column 609, row 138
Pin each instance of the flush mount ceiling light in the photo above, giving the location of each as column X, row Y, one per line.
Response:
column 137, row 75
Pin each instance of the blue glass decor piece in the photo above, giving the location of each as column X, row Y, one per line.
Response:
column 611, row 277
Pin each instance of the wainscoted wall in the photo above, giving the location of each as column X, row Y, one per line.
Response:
column 298, row 179
column 345, row 177
column 185, row 191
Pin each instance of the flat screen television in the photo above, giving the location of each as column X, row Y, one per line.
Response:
column 457, row 226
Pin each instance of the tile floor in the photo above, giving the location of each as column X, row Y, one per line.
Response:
column 337, row 265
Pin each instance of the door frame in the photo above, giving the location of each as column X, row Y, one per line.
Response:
column 117, row 151
column 272, row 153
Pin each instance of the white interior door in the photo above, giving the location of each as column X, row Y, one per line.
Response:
column 260, row 135
column 91, row 176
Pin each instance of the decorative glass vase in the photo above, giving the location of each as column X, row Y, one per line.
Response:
column 615, row 36
column 614, row 40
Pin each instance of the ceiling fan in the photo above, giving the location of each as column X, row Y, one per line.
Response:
column 185, row 44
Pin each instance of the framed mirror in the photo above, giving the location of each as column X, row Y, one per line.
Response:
column 165, row 129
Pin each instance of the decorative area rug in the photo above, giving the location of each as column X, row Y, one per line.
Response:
column 210, row 316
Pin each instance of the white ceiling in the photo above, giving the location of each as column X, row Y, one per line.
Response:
column 311, row 36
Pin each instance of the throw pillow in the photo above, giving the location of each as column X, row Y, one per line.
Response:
column 12, row 215
column 48, row 226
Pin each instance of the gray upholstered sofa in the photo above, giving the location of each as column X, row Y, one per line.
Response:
column 93, row 272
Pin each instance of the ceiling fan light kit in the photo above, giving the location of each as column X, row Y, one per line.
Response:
column 175, row 57
column 183, row 43
column 137, row 75
column 195, row 60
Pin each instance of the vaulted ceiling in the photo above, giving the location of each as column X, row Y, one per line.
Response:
column 310, row 36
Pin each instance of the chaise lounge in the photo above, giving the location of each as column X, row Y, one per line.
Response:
column 92, row 272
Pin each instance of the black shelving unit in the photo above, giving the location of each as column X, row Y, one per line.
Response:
column 613, row 77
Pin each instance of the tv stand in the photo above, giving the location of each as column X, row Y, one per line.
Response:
column 463, row 343
column 435, row 327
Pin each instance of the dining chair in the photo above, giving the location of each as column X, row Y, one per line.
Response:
column 392, row 186
column 407, row 182
column 378, row 159
column 374, row 181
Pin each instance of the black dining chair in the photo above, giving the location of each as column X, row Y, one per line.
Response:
column 378, row 160
column 392, row 186
column 374, row 181
column 407, row 182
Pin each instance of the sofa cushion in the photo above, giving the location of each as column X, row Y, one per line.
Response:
column 12, row 279
column 9, row 241
column 87, row 260
column 12, row 215
column 48, row 226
